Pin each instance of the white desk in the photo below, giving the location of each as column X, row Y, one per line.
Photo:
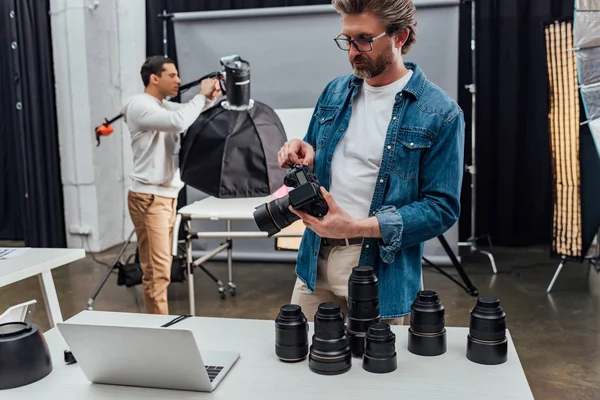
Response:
column 258, row 374
column 215, row 209
column 40, row 261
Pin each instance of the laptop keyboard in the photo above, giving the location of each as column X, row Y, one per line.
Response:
column 213, row 371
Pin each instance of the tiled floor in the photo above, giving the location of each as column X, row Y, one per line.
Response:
column 557, row 336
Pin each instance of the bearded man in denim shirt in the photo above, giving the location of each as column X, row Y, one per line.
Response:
column 387, row 146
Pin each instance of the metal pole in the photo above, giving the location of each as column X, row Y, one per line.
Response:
column 164, row 18
column 471, row 242
column 473, row 170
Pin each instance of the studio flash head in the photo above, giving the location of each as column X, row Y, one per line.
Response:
column 380, row 349
column 427, row 333
column 291, row 334
column 236, row 72
column 487, row 343
column 330, row 348
column 363, row 306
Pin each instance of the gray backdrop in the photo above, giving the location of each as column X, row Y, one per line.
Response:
column 292, row 56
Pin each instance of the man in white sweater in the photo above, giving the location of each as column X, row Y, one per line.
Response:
column 155, row 125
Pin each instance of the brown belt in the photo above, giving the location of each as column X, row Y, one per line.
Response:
column 340, row 242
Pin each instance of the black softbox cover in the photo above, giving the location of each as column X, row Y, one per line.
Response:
column 230, row 153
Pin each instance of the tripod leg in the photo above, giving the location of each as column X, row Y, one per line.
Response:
column 491, row 257
column 102, row 283
column 190, row 270
column 472, row 289
column 560, row 267
column 441, row 271
column 110, row 270
column 230, row 261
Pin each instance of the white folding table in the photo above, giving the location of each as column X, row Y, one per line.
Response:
column 40, row 261
column 258, row 374
column 216, row 209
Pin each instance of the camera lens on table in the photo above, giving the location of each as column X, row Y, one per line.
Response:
column 291, row 334
column 363, row 306
column 427, row 333
column 380, row 349
column 330, row 348
column 487, row 343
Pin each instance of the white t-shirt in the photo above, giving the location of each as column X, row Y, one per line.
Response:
column 357, row 158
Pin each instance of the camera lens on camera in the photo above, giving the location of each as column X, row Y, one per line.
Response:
column 487, row 343
column 330, row 348
column 427, row 333
column 291, row 334
column 274, row 216
column 380, row 349
column 363, row 306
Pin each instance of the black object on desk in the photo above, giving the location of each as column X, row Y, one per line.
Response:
column 69, row 358
column 176, row 320
column 25, row 355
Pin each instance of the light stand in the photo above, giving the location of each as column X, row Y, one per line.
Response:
column 468, row 285
column 471, row 242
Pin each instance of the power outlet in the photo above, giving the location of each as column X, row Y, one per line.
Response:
column 80, row 230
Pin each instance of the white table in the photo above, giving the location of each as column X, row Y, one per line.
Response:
column 215, row 209
column 40, row 261
column 258, row 374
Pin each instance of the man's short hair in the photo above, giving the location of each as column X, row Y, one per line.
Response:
column 396, row 15
column 154, row 65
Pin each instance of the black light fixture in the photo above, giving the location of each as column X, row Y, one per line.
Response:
column 24, row 353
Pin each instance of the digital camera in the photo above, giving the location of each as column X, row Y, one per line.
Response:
column 305, row 196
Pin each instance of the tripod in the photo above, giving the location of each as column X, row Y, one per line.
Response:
column 114, row 265
column 471, row 242
column 468, row 286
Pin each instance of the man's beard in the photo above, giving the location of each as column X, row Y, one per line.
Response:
column 371, row 69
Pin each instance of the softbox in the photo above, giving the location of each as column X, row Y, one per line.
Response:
column 575, row 161
column 233, row 153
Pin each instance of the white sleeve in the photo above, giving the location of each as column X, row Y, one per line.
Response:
column 150, row 116
column 175, row 106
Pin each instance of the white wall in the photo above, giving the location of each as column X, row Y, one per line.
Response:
column 98, row 47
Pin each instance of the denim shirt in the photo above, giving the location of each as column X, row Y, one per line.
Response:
column 417, row 193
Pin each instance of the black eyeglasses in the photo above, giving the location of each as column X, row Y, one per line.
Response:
column 362, row 45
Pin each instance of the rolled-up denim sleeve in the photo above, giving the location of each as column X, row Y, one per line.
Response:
column 390, row 226
column 438, row 207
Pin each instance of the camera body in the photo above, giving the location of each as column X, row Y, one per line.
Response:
column 306, row 196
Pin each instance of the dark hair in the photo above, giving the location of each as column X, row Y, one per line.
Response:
column 396, row 15
column 154, row 65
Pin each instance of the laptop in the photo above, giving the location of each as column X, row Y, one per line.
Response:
column 165, row 358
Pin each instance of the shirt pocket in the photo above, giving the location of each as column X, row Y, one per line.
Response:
column 412, row 143
column 324, row 117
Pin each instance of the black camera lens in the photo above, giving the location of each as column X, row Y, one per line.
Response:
column 427, row 333
column 330, row 348
column 291, row 334
column 274, row 216
column 363, row 306
column 380, row 349
column 487, row 343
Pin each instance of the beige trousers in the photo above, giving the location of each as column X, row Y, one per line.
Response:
column 153, row 218
column 334, row 267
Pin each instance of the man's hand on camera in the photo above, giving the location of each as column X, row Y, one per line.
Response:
column 295, row 152
column 210, row 88
column 338, row 224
